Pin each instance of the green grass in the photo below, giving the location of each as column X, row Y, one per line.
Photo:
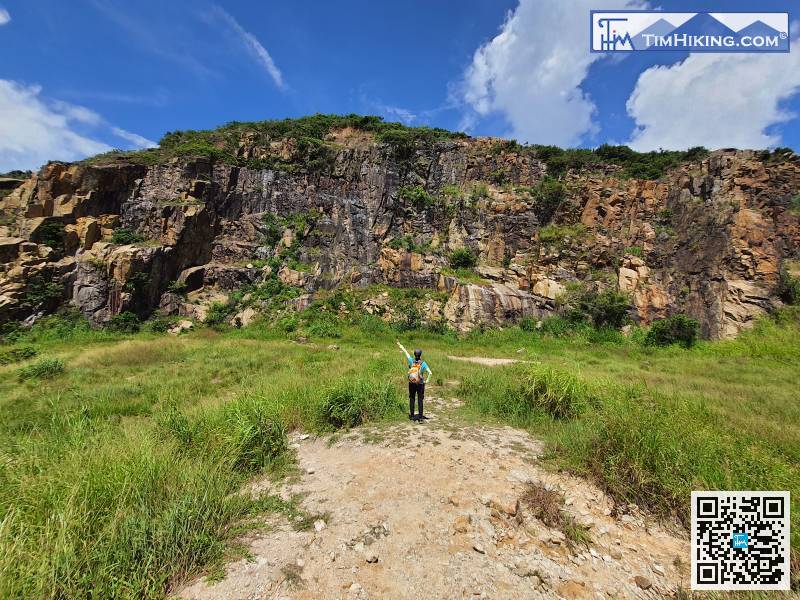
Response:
column 119, row 476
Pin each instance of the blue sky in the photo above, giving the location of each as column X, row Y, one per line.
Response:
column 88, row 75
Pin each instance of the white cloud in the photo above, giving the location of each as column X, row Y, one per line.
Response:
column 531, row 72
column 714, row 100
column 137, row 140
column 34, row 130
column 4, row 16
column 252, row 45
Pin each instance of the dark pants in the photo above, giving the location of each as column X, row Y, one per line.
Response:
column 418, row 390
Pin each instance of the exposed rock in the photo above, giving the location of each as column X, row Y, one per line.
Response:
column 180, row 327
column 708, row 239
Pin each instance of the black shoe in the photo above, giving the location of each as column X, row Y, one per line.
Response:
column 422, row 418
column 412, row 418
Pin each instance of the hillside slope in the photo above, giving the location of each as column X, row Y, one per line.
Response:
column 280, row 210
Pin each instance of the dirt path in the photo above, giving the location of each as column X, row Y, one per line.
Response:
column 487, row 361
column 430, row 511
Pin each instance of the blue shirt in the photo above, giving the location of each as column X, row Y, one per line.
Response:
column 422, row 369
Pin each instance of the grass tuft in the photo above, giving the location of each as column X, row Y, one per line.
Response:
column 44, row 368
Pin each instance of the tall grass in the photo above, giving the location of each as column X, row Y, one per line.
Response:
column 640, row 445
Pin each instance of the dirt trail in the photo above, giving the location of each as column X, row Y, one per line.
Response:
column 427, row 511
column 487, row 361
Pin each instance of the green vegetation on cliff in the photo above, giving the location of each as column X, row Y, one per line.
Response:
column 313, row 152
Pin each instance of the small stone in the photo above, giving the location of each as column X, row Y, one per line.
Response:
column 658, row 569
column 333, row 347
column 355, row 587
column 310, row 471
column 332, row 556
column 643, row 582
column 300, row 563
column 461, row 523
column 506, row 505
column 371, row 557
column 616, row 554
column 319, row 525
column 478, row 548
column 359, row 547
column 369, row 539
column 305, row 436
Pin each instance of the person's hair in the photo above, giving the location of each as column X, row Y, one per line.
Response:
column 417, row 353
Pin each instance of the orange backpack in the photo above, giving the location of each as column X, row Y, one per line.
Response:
column 415, row 372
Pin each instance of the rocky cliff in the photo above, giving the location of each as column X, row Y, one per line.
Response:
column 172, row 231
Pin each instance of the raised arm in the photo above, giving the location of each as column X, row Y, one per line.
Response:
column 408, row 356
column 430, row 373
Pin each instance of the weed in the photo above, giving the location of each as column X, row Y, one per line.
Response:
column 125, row 235
column 350, row 402
column 17, row 354
column 44, row 368
column 678, row 329
column 462, row 258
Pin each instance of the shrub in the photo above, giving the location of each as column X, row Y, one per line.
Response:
column 44, row 368
column 527, row 324
column 604, row 309
column 794, row 204
column 17, row 354
column 350, row 402
column 462, row 258
column 417, row 196
column 272, row 232
column 218, row 313
column 548, row 194
column 51, row 233
column 159, row 324
column 677, row 329
column 125, row 235
column 788, row 287
column 124, row 322
column 40, row 291
column 324, row 327
column 177, row 287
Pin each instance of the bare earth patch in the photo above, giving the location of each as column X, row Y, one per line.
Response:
column 433, row 511
column 487, row 361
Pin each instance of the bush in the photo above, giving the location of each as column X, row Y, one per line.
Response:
column 324, row 327
column 124, row 322
column 548, row 194
column 159, row 324
column 417, row 196
column 678, row 329
column 124, row 235
column 788, row 287
column 527, row 324
column 462, row 258
column 17, row 354
column 40, row 291
column 352, row 402
column 44, row 368
column 51, row 233
column 218, row 313
column 794, row 205
column 604, row 309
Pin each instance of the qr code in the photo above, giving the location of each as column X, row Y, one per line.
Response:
column 740, row 540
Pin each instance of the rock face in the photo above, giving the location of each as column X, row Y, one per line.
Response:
column 708, row 239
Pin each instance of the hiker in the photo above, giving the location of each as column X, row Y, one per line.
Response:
column 416, row 381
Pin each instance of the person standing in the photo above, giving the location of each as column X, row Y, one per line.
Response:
column 417, row 369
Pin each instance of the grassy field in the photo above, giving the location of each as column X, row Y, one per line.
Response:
column 120, row 454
